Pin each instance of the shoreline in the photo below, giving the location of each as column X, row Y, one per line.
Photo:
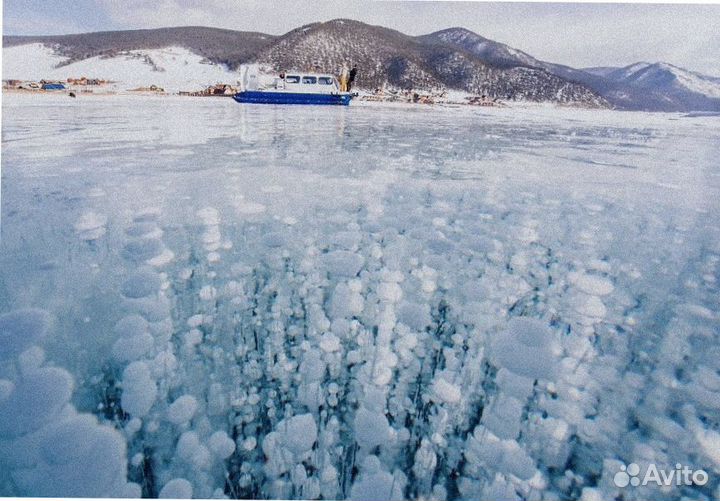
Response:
column 365, row 100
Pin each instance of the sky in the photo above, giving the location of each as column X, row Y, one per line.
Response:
column 578, row 35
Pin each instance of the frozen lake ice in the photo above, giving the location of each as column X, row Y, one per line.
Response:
column 205, row 299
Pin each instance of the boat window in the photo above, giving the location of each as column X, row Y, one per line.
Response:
column 309, row 80
column 325, row 80
column 292, row 79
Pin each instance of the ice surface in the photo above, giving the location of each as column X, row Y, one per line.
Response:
column 591, row 284
column 374, row 484
column 34, row 401
column 177, row 488
column 371, row 428
column 182, row 409
column 131, row 325
column 527, row 348
column 221, row 444
column 79, row 458
column 21, row 328
column 190, row 450
column 91, row 226
column 142, row 283
column 446, row 391
column 127, row 349
column 139, row 389
column 298, row 433
column 369, row 302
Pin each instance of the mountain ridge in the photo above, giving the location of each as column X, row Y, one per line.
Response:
column 452, row 58
column 610, row 82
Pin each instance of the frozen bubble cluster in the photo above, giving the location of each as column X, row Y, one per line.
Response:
column 482, row 304
column 47, row 445
column 21, row 329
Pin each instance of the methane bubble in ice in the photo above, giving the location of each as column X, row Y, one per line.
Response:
column 20, row 329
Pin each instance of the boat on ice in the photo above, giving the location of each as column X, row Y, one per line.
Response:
column 295, row 88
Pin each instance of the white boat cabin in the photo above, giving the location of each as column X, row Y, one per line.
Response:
column 290, row 81
column 306, row 82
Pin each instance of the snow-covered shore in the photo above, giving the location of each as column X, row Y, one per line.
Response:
column 372, row 302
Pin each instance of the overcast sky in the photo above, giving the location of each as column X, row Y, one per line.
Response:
column 580, row 35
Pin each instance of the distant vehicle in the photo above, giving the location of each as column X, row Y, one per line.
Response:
column 53, row 86
column 295, row 88
column 29, row 86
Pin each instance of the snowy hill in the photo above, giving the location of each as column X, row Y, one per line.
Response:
column 227, row 47
column 172, row 68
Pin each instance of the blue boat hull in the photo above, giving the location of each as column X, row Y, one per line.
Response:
column 260, row 97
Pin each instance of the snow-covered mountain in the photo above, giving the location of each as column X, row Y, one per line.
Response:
column 643, row 86
column 659, row 86
column 490, row 51
column 502, row 55
column 189, row 58
column 668, row 78
column 385, row 57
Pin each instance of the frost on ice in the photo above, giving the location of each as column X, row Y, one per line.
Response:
column 458, row 304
